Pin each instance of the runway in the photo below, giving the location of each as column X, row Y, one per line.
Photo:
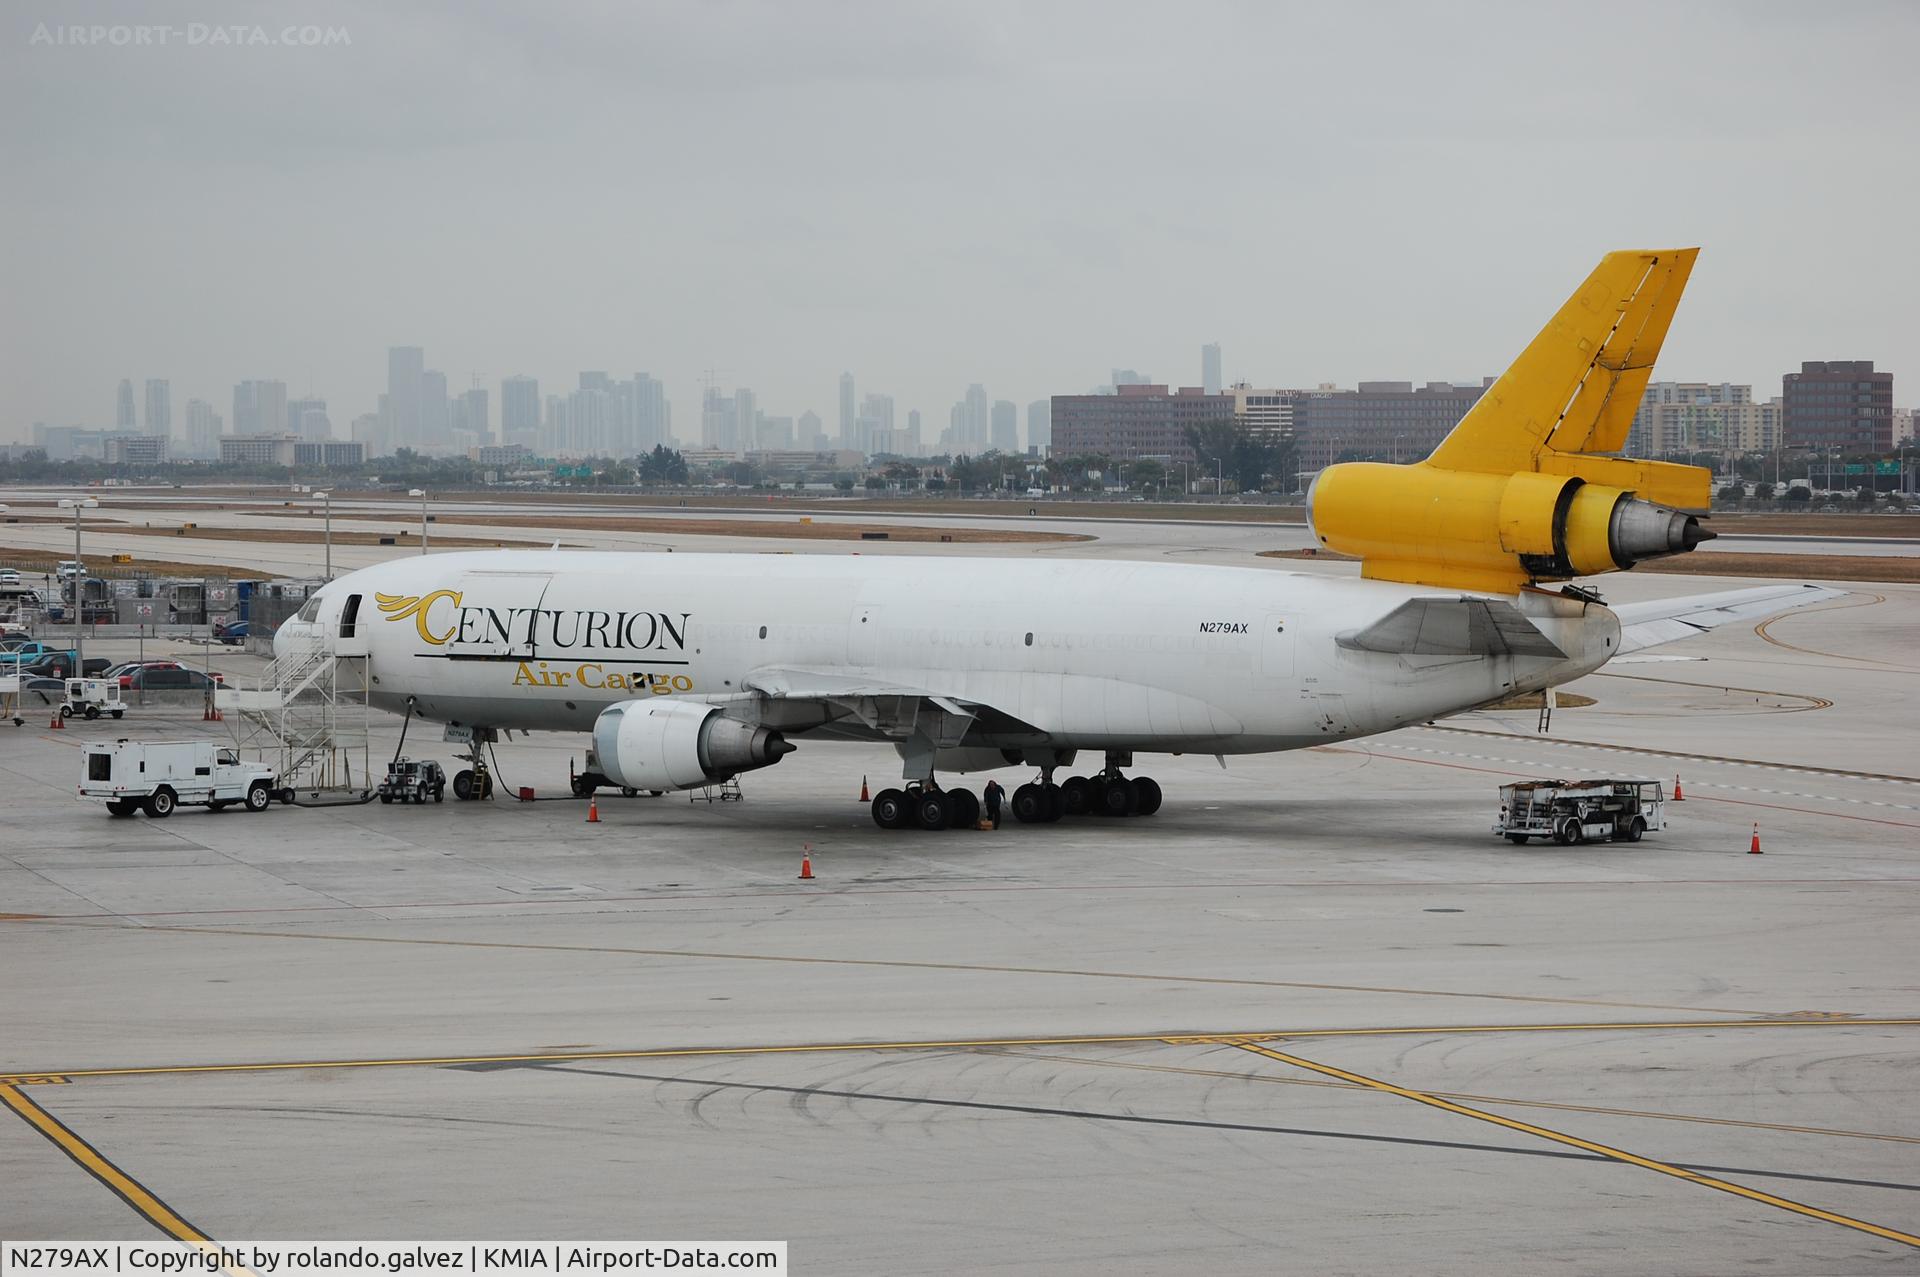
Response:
column 1313, row 1016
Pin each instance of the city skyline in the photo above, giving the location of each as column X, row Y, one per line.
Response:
column 1403, row 236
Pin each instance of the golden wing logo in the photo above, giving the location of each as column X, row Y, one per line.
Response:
column 399, row 607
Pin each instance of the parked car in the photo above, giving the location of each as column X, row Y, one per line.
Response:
column 9, row 576
column 232, row 633
column 125, row 670
column 177, row 679
column 31, row 652
column 60, row 665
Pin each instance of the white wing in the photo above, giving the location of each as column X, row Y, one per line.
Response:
column 1650, row 624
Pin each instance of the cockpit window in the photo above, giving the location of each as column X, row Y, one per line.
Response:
column 311, row 612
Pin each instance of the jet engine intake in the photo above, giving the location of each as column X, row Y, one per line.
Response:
column 1429, row 526
column 663, row 744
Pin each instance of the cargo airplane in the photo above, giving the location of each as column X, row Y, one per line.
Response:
column 690, row 668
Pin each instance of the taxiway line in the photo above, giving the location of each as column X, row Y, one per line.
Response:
column 22, row 1077
column 95, row 1163
column 1796, row 769
column 1574, row 1141
column 1503, row 1100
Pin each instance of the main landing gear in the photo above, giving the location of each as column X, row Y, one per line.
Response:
column 924, row 805
column 1106, row 794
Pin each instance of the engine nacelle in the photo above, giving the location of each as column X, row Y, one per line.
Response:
column 1429, row 526
column 664, row 744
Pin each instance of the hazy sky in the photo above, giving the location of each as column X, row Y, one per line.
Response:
column 1025, row 195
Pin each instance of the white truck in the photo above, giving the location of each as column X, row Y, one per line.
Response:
column 1577, row 811
column 155, row 777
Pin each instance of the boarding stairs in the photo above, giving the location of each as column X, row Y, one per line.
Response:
column 307, row 714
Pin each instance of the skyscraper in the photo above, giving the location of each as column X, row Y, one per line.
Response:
column 436, row 424
column 719, row 426
column 404, row 366
column 650, row 413
column 1210, row 368
column 260, row 408
column 300, row 424
column 811, row 431
column 159, row 407
column 746, row 414
column 1040, row 424
column 846, row 410
column 470, row 419
column 520, row 411
column 974, row 419
column 123, row 407
column 1006, row 426
column 203, row 430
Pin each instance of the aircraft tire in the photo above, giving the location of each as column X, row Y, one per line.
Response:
column 1147, row 790
column 463, row 785
column 1031, row 806
column 966, row 808
column 1076, row 796
column 1117, row 798
column 933, row 809
column 890, row 810
column 1056, row 803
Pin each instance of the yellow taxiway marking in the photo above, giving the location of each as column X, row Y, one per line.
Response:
column 906, row 964
column 1574, row 1141
column 945, row 1044
column 1503, row 1100
column 122, row 1185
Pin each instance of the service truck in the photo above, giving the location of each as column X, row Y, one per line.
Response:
column 157, row 776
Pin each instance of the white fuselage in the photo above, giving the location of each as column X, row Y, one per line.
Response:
column 1062, row 653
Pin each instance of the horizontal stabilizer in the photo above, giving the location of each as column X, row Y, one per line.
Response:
column 1453, row 627
column 1650, row 624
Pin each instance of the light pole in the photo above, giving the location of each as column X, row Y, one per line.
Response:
column 326, row 499
column 422, row 494
column 77, row 504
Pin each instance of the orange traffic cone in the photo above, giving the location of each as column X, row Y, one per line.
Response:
column 1678, row 796
column 57, row 723
column 1753, row 848
column 806, row 862
column 865, row 797
column 593, row 809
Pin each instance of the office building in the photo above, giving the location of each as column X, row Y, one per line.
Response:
column 332, row 454
column 123, row 407
column 1039, row 426
column 1210, row 368
column 136, row 449
column 1681, row 418
column 469, row 418
column 520, row 410
column 70, row 443
column 203, row 430
column 260, row 408
column 847, row 413
column 1266, row 414
column 1005, row 429
column 405, row 365
column 1136, row 421
column 309, row 414
column 1838, row 404
column 1378, row 421
column 811, row 432
column 159, row 407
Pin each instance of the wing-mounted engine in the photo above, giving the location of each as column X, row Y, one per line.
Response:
column 1527, row 487
column 666, row 744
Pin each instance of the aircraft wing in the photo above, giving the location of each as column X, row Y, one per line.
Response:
column 873, row 698
column 1650, row 624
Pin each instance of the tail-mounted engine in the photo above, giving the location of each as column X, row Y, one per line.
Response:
column 665, row 744
column 1482, row 531
column 1529, row 486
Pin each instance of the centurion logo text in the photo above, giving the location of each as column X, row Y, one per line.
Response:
column 444, row 619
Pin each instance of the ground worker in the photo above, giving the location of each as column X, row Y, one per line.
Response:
column 994, row 795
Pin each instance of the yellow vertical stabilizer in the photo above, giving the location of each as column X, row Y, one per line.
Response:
column 1575, row 388
column 1529, row 486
